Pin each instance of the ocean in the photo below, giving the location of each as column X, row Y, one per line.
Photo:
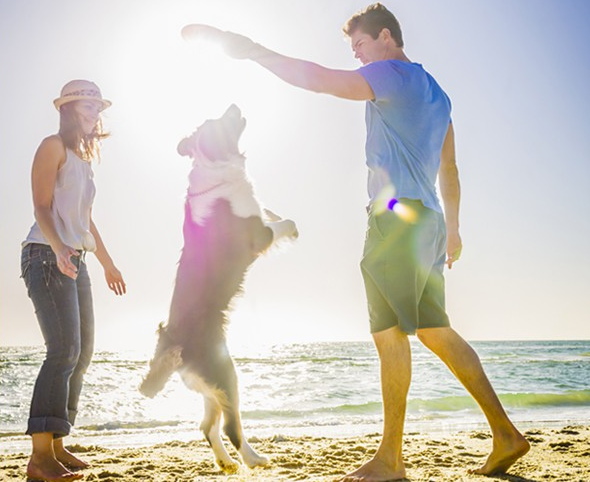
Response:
column 319, row 389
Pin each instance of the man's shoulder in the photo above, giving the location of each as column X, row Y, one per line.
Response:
column 392, row 67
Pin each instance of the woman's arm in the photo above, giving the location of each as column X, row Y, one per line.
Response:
column 49, row 157
column 112, row 274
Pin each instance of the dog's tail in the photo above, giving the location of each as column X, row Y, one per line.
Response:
column 167, row 359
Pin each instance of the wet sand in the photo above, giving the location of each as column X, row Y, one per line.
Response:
column 557, row 454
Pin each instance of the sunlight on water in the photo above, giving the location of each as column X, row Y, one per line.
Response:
column 311, row 389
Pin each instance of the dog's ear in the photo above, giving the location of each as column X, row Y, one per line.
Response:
column 184, row 147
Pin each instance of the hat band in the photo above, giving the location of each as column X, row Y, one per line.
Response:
column 84, row 92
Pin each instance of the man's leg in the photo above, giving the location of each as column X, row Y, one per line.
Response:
column 395, row 358
column 508, row 443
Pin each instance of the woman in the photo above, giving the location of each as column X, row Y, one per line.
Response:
column 55, row 273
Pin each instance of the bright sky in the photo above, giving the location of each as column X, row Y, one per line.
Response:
column 517, row 73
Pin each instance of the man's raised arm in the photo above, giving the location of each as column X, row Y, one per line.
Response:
column 347, row 84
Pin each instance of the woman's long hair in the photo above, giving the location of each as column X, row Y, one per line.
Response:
column 70, row 131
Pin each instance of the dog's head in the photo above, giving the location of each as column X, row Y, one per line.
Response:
column 216, row 139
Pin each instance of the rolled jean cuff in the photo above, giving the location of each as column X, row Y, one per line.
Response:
column 57, row 426
column 72, row 416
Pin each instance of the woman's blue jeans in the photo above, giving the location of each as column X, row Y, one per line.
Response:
column 65, row 313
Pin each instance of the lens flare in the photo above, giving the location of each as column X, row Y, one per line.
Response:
column 404, row 211
column 386, row 201
column 383, row 201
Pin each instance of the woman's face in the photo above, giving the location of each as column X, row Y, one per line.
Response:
column 88, row 112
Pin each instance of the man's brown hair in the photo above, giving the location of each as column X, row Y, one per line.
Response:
column 372, row 20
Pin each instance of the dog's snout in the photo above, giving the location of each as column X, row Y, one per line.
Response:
column 233, row 111
column 184, row 147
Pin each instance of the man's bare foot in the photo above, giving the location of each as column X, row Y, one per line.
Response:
column 47, row 469
column 376, row 470
column 70, row 460
column 504, row 454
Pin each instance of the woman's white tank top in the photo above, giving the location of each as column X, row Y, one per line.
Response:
column 72, row 202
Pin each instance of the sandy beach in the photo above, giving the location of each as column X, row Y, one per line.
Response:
column 557, row 454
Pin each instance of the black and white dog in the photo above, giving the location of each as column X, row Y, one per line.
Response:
column 225, row 230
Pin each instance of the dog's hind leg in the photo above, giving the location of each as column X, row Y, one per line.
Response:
column 233, row 428
column 232, row 425
column 165, row 362
column 211, row 429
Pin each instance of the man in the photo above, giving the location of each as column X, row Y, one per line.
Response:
column 410, row 141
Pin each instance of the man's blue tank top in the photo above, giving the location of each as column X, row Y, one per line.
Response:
column 406, row 126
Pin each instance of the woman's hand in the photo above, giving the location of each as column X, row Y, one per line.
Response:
column 115, row 280
column 63, row 254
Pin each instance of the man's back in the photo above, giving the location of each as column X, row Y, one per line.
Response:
column 406, row 127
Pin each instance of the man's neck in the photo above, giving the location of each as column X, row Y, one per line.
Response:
column 398, row 54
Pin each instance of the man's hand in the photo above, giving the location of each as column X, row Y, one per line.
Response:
column 454, row 247
column 197, row 31
column 235, row 45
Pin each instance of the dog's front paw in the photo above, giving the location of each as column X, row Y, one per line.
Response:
column 292, row 232
column 283, row 229
column 272, row 217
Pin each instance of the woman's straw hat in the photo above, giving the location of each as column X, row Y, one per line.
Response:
column 80, row 90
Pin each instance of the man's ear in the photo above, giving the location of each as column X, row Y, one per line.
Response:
column 385, row 34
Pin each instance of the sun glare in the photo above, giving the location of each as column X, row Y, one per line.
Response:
column 158, row 74
column 405, row 212
column 163, row 88
column 386, row 201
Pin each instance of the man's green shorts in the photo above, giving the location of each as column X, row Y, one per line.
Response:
column 402, row 268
